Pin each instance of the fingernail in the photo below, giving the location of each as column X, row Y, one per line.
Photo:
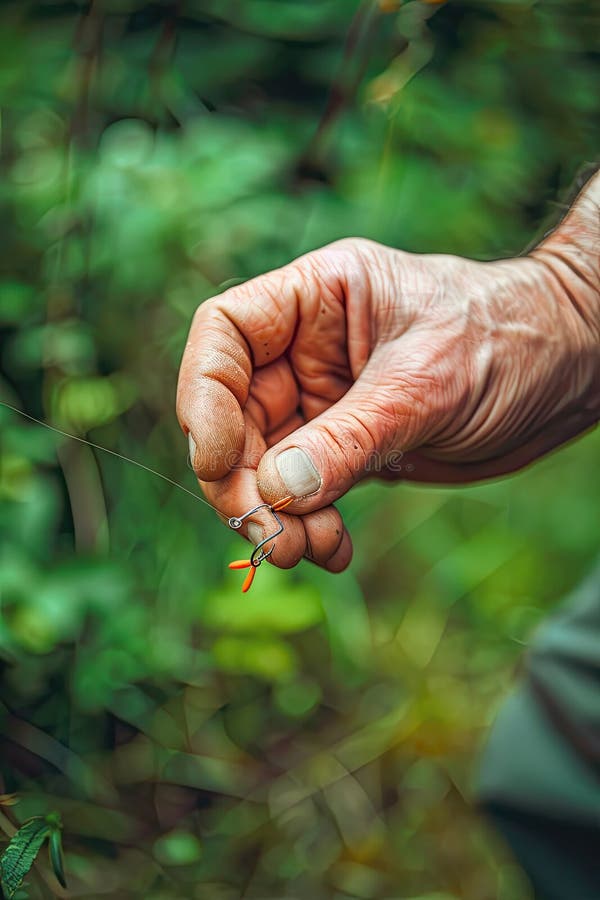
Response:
column 192, row 446
column 297, row 472
column 255, row 533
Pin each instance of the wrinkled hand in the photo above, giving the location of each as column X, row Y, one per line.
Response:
column 358, row 359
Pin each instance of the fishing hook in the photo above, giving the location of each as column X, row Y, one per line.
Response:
column 258, row 555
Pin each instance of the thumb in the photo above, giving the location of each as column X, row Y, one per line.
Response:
column 365, row 432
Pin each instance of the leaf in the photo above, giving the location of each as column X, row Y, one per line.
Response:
column 18, row 858
column 8, row 799
column 56, row 855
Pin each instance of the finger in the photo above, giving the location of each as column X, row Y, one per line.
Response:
column 289, row 546
column 248, row 326
column 278, row 434
column 274, row 395
column 325, row 534
column 385, row 409
column 317, row 536
column 340, row 560
column 320, row 303
column 212, row 388
column 237, row 492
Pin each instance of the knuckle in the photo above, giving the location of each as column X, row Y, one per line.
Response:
column 273, row 285
column 203, row 311
column 358, row 251
column 351, row 245
column 339, row 255
column 259, row 307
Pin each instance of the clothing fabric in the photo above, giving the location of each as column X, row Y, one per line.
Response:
column 540, row 774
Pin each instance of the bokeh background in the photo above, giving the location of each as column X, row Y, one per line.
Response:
column 317, row 738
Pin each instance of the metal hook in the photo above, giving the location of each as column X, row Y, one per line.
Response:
column 258, row 555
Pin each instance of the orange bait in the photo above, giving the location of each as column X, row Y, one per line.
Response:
column 281, row 504
column 249, row 579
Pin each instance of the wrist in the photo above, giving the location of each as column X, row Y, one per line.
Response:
column 568, row 260
column 571, row 256
column 552, row 350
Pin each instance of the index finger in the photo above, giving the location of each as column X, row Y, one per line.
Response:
column 248, row 326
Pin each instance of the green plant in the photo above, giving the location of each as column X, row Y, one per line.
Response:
column 18, row 858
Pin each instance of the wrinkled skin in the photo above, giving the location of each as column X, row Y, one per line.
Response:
column 379, row 362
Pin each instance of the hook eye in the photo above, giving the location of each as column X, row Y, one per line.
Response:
column 236, row 521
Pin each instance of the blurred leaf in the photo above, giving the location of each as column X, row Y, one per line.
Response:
column 275, row 603
column 179, row 848
column 297, row 697
column 348, row 623
column 84, row 403
column 17, row 300
column 56, row 854
column 267, row 658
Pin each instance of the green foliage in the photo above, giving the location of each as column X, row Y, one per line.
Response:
column 18, row 858
column 315, row 738
column 20, row 854
column 56, row 855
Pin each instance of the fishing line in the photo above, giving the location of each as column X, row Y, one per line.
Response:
column 74, row 437
column 258, row 554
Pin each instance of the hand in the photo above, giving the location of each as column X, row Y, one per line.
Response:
column 358, row 359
